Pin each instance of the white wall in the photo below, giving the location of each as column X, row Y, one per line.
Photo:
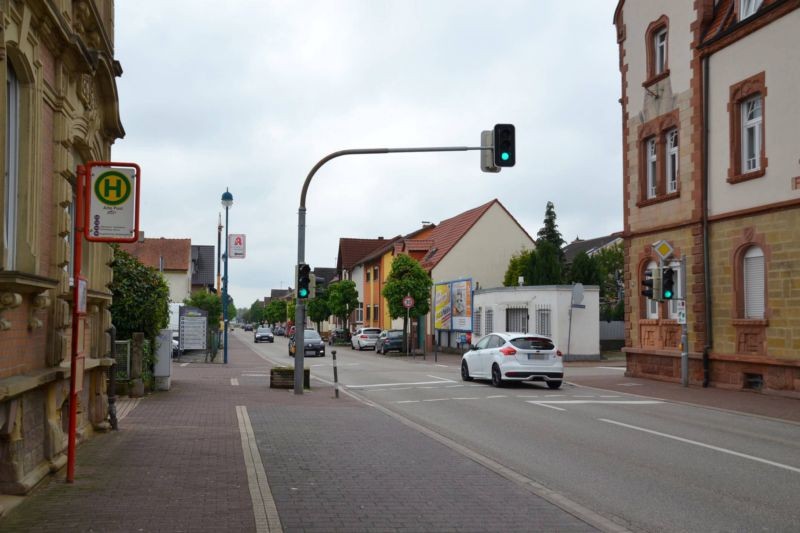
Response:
column 582, row 342
column 180, row 285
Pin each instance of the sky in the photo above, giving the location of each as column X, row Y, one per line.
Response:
column 248, row 95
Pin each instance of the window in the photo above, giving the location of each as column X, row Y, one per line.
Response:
column 543, row 320
column 652, row 167
column 660, row 52
column 748, row 8
column 751, row 134
column 368, row 275
column 360, row 313
column 368, row 308
column 652, row 305
column 483, row 343
column 672, row 160
column 754, row 283
column 375, row 313
column 476, row 323
column 11, row 189
column 489, row 320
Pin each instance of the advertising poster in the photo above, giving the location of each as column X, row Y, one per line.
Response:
column 441, row 306
column 461, row 304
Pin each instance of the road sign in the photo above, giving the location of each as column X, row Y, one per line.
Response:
column 408, row 302
column 113, row 202
column 237, row 245
column 663, row 249
column 681, row 311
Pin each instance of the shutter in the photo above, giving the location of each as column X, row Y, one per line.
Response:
column 754, row 287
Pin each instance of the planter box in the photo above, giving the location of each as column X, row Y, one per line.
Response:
column 281, row 377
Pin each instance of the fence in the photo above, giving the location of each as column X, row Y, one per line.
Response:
column 123, row 358
column 612, row 334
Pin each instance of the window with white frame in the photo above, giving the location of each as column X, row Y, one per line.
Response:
column 360, row 313
column 476, row 323
column 11, row 189
column 748, row 8
column 754, row 288
column 660, row 51
column 489, row 321
column 652, row 168
column 672, row 160
column 751, row 134
column 652, row 305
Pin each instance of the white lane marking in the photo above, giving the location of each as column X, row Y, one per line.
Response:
column 610, row 396
column 454, row 386
column 234, row 382
column 436, row 400
column 408, row 401
column 184, row 364
column 467, row 398
column 264, row 510
column 549, row 406
column 703, row 445
column 443, row 366
column 399, row 384
column 443, row 380
column 584, row 396
column 613, row 368
column 497, row 396
column 609, row 402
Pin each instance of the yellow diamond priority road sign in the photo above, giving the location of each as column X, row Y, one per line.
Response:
column 663, row 249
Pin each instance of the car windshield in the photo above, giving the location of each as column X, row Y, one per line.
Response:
column 310, row 335
column 532, row 343
column 395, row 333
column 264, row 330
column 370, row 331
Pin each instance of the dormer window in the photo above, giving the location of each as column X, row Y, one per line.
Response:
column 748, row 8
column 660, row 51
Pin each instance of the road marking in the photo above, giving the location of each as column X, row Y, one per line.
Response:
column 609, row 402
column 497, row 396
column 583, row 396
column 703, row 445
column 234, row 382
column 443, row 380
column 467, row 398
column 454, row 386
column 610, row 396
column 523, row 396
column 184, row 364
column 443, row 366
column 436, row 400
column 613, row 368
column 399, row 384
column 408, row 401
column 542, row 404
column 264, row 510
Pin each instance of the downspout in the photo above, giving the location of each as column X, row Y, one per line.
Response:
column 706, row 257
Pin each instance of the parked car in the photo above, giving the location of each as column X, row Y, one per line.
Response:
column 314, row 344
column 338, row 336
column 390, row 340
column 503, row 357
column 263, row 334
column 364, row 338
column 279, row 330
column 248, row 327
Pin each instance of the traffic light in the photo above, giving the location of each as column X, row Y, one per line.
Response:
column 312, row 287
column 667, row 284
column 652, row 284
column 303, row 281
column 504, row 145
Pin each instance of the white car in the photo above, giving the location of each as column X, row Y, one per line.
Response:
column 365, row 338
column 514, row 357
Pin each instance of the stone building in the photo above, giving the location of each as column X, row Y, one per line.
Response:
column 710, row 123
column 61, row 110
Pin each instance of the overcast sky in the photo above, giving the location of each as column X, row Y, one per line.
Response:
column 250, row 94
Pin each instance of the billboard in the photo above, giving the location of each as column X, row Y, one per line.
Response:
column 453, row 305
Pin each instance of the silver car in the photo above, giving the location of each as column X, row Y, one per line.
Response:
column 365, row 338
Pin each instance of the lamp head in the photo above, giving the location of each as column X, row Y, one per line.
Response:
column 227, row 199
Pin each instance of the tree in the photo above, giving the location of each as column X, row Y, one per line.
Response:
column 610, row 265
column 544, row 266
column 549, row 232
column 275, row 312
column 140, row 297
column 407, row 278
column 208, row 302
column 584, row 269
column 516, row 268
column 318, row 310
column 343, row 300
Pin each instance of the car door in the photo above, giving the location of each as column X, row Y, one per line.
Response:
column 489, row 353
column 477, row 363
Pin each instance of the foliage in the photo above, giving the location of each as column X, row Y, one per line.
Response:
column 407, row 278
column 544, row 266
column 610, row 265
column 343, row 300
column 210, row 302
column 255, row 313
column 516, row 267
column 140, row 297
column 291, row 310
column 275, row 312
column 318, row 310
column 231, row 308
column 549, row 231
column 584, row 270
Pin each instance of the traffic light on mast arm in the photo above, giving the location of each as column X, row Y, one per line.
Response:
column 505, row 152
column 652, row 284
column 303, row 281
column 667, row 284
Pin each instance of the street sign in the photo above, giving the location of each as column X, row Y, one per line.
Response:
column 113, row 202
column 408, row 302
column 237, row 245
column 681, row 311
column 663, row 249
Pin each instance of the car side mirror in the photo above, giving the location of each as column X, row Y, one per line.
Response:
column 472, row 347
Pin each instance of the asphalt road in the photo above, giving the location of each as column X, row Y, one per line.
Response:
column 653, row 465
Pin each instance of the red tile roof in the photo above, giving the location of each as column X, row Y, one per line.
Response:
column 175, row 253
column 351, row 251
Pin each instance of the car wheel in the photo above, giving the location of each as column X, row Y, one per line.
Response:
column 554, row 384
column 465, row 371
column 497, row 376
column 360, row 348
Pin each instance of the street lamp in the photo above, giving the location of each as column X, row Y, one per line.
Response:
column 227, row 202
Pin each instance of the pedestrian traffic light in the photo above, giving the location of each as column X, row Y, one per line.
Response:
column 303, row 281
column 652, row 284
column 504, row 149
column 667, row 284
column 312, row 286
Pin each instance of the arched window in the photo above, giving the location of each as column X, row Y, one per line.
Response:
column 651, row 308
column 754, row 283
column 11, row 189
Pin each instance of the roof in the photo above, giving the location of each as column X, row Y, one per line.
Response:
column 202, row 264
column 161, row 253
column 351, row 251
column 281, row 293
column 324, row 275
column 589, row 246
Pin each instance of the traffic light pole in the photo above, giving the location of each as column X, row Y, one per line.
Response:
column 684, row 329
column 300, row 308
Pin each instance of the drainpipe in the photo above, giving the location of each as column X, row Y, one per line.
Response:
column 706, row 257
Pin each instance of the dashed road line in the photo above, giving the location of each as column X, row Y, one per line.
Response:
column 234, row 382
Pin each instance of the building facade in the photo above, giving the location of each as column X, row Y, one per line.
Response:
column 710, row 165
column 61, row 110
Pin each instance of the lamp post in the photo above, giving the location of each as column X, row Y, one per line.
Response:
column 227, row 202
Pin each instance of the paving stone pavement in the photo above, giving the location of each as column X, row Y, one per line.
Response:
column 177, row 465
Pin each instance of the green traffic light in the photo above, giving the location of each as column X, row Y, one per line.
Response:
column 667, row 294
column 303, row 293
column 504, row 156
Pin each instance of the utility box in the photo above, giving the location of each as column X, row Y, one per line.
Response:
column 163, row 367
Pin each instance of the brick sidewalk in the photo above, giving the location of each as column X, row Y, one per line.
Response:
column 177, row 464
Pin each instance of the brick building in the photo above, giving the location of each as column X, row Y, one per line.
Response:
column 60, row 111
column 710, row 164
